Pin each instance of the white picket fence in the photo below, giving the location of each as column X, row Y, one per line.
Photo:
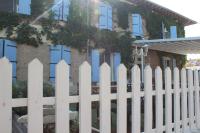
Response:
column 186, row 99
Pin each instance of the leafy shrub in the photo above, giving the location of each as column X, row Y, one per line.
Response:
column 19, row 89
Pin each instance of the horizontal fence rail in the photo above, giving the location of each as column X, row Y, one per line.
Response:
column 174, row 104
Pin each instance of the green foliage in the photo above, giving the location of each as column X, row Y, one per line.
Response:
column 125, row 48
column 19, row 89
column 27, row 33
column 77, row 33
column 153, row 19
column 8, row 20
column 38, row 7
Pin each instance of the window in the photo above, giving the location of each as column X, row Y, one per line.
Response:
column 173, row 32
column 95, row 62
column 166, row 62
column 61, row 9
column 115, row 61
column 24, row 7
column 137, row 30
column 58, row 53
column 105, row 16
column 8, row 50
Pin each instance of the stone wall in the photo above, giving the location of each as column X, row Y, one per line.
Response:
column 26, row 53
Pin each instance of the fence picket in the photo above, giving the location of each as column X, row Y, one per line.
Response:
column 176, row 100
column 197, row 106
column 184, row 101
column 62, row 96
column 168, row 100
column 136, row 104
column 121, row 99
column 191, row 98
column 35, row 94
column 159, row 100
column 5, row 96
column 105, row 102
column 85, row 100
column 148, row 100
column 188, row 98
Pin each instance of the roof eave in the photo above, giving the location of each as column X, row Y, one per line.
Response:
column 184, row 20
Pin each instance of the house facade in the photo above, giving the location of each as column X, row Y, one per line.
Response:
column 103, row 16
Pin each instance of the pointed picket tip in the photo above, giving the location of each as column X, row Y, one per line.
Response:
column 158, row 72
column 122, row 67
column 135, row 67
column 135, row 74
column 176, row 73
column 35, row 62
column 183, row 70
column 158, row 69
column 148, row 68
column 190, row 72
column 63, row 63
column 105, row 66
column 84, row 65
column 4, row 60
column 167, row 69
column 176, row 69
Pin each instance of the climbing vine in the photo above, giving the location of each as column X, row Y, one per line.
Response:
column 27, row 33
column 76, row 32
column 153, row 19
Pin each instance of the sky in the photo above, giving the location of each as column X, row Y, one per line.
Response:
column 188, row 8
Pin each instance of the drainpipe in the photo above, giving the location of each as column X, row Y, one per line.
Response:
column 142, row 53
column 142, row 64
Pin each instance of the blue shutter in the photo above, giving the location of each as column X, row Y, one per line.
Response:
column 66, row 9
column 116, row 63
column 55, row 57
column 1, row 48
column 61, row 9
column 173, row 32
column 103, row 24
column 95, row 59
column 137, row 25
column 109, row 17
column 141, row 28
column 10, row 52
column 24, row 7
column 58, row 53
column 57, row 9
column 66, row 54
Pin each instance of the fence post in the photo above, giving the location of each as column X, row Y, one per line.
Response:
column 5, row 96
column 62, row 97
column 176, row 100
column 191, row 99
column 121, row 99
column 136, row 103
column 35, row 94
column 197, row 111
column 105, row 103
column 184, row 100
column 159, row 100
column 148, row 100
column 168, row 100
column 85, row 100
